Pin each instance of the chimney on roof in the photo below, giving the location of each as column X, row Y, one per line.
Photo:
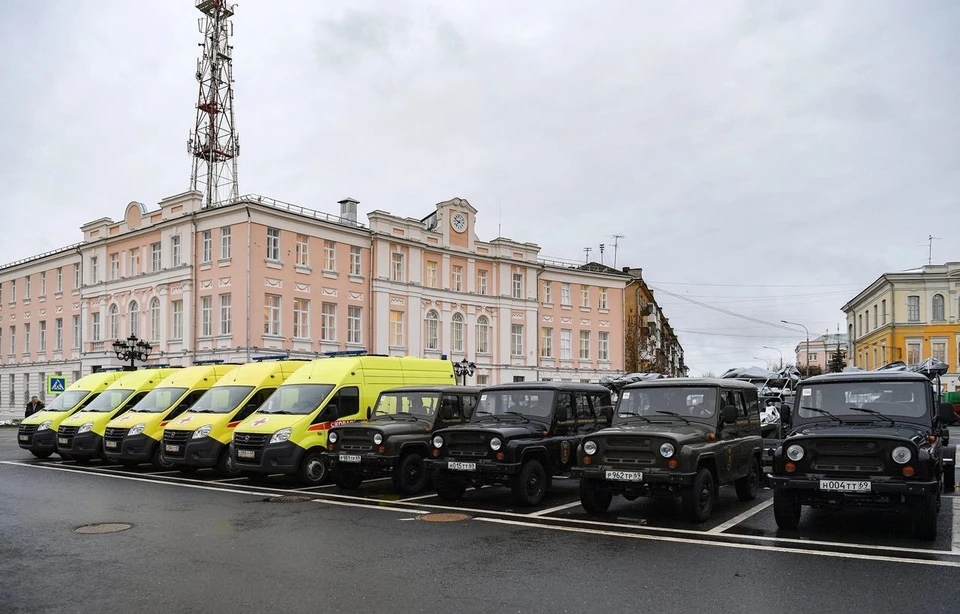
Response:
column 348, row 209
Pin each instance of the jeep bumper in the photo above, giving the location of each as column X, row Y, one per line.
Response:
column 883, row 493
column 370, row 466
column 654, row 482
column 486, row 471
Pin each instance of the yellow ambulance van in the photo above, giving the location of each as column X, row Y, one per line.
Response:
column 38, row 432
column 289, row 433
column 135, row 436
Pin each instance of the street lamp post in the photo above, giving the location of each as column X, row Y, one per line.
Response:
column 132, row 349
column 767, row 347
column 806, row 360
column 464, row 369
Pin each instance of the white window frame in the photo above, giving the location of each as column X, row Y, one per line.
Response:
column 456, row 332
column 355, row 324
column 303, row 250
column 483, row 335
column 585, row 343
column 396, row 328
column 516, row 339
column 176, row 320
column 154, row 309
column 301, row 318
column 546, row 342
column 565, row 295
column 206, row 316
column 397, row 267
column 431, row 281
column 356, row 260
column 206, row 246
column 328, row 321
column 176, row 251
column 431, row 331
column 226, row 314
column 330, row 256
column 456, row 278
column 566, row 344
column 273, row 244
column 603, row 346
column 517, row 285
column 156, row 257
column 482, row 279
column 273, row 304
column 226, row 243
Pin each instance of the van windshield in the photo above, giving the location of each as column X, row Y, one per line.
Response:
column 221, row 399
column 67, row 400
column 297, row 399
column 109, row 400
column 158, row 400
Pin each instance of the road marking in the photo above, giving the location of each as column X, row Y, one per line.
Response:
column 741, row 517
column 955, row 543
column 555, row 509
column 433, row 494
column 222, row 479
column 163, row 472
column 313, row 487
column 697, row 542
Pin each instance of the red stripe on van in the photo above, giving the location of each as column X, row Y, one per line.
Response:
column 323, row 426
column 233, row 425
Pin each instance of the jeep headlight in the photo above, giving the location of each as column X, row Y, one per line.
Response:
column 333, row 437
column 667, row 450
column 438, row 442
column 377, row 439
column 86, row 426
column 901, row 455
column 795, row 452
column 590, row 448
column 44, row 426
column 495, row 444
column 281, row 435
column 203, row 431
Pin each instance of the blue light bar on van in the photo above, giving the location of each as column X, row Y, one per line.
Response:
column 165, row 365
column 211, row 361
column 270, row 357
column 345, row 353
column 109, row 369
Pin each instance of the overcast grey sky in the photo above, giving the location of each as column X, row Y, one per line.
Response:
column 801, row 147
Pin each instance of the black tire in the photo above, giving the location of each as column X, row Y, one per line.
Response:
column 186, row 469
column 313, row 469
column 593, row 497
column 226, row 465
column 410, row 476
column 748, row 485
column 787, row 509
column 698, row 500
column 349, row 479
column 41, row 455
column 447, row 489
column 157, row 460
column 925, row 513
column 949, row 479
column 530, row 485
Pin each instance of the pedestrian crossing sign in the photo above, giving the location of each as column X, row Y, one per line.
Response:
column 56, row 384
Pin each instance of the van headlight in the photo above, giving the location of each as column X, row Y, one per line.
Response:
column 667, row 450
column 795, row 452
column 44, row 426
column 86, row 426
column 495, row 444
column 333, row 437
column 203, row 431
column 281, row 435
column 438, row 442
column 136, row 429
column 901, row 455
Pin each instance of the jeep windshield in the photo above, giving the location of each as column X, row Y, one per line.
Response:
column 393, row 405
column 158, row 400
column 515, row 405
column 108, row 401
column 67, row 400
column 668, row 404
column 221, row 399
column 296, row 399
column 864, row 402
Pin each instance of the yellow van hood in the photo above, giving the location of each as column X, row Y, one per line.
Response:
column 190, row 421
column 99, row 420
column 130, row 418
column 269, row 423
column 42, row 416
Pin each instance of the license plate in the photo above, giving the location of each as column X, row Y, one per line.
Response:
column 171, row 448
column 63, row 441
column 845, row 486
column 24, row 437
column 246, row 454
column 461, row 466
column 113, row 444
column 349, row 458
column 625, row 476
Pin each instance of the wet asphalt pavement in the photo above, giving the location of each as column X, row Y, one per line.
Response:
column 200, row 544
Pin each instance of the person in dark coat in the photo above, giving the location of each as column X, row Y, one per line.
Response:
column 34, row 406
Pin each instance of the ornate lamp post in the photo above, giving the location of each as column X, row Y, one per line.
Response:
column 132, row 349
column 463, row 369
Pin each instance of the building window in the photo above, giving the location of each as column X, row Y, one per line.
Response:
column 516, row 339
column 26, row 339
column 206, row 316
column 355, row 255
column 13, row 291
column 155, row 257
column 13, row 392
column 175, row 254
column 76, row 331
column 866, row 317
column 482, row 282
column 176, row 309
column 940, row 351
column 859, row 324
column 271, row 315
column 548, row 292
column 226, row 247
column 396, row 272
column 59, row 280
column 546, row 342
column 457, row 284
column 913, row 353
column 811, row 356
column 602, row 302
column 565, row 295
column 26, row 288
column 585, row 296
column 883, row 311
column 354, row 324
column 43, row 284
column 206, row 246
column 584, row 345
column 76, row 277
column 273, row 244
column 135, row 261
column 483, row 335
column 517, row 285
column 431, row 281
column 328, row 324
column 913, row 308
column 603, row 347
column 483, row 380
column 566, row 344
column 94, row 327
column 301, row 318
column 58, row 335
column 13, row 340
column 114, row 266
column 329, row 256
column 94, row 270
column 114, row 322
column 303, row 250
column 876, row 317
column 43, row 335
column 396, row 328
column 134, row 319
column 226, row 314
column 154, row 319
column 456, row 332
column 432, row 331
column 938, row 311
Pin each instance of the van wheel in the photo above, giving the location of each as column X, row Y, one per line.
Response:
column 748, row 485
column 158, row 461
column 410, row 476
column 447, row 489
column 225, row 464
column 530, row 485
column 698, row 499
column 313, row 470
column 347, row 480
column 925, row 513
column 786, row 509
column 41, row 455
column 594, row 498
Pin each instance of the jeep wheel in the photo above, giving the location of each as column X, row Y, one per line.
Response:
column 594, row 498
column 447, row 489
column 226, row 465
column 949, row 479
column 786, row 509
column 530, row 485
column 158, row 461
column 698, row 499
column 313, row 470
column 925, row 517
column 41, row 455
column 748, row 485
column 347, row 479
column 410, row 476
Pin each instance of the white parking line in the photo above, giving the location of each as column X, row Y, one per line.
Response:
column 305, row 488
column 224, row 479
column 433, row 494
column 741, row 517
column 551, row 510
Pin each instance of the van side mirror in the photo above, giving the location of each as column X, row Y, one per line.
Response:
column 369, row 413
column 729, row 414
column 946, row 414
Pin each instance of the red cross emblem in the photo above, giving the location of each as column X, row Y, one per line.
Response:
column 185, row 419
column 259, row 421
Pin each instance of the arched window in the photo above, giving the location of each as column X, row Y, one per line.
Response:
column 483, row 335
column 154, row 319
column 938, row 314
column 113, row 321
column 432, row 330
column 134, row 318
column 456, row 333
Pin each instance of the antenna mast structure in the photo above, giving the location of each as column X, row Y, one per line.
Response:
column 213, row 143
column 930, row 240
column 616, row 243
column 587, row 250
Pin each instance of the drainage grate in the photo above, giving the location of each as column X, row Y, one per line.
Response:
column 443, row 517
column 288, row 499
column 103, row 527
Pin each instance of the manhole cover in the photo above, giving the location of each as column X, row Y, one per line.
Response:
column 288, row 499
column 443, row 517
column 103, row 527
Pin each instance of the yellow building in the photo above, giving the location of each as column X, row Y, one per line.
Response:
column 908, row 316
